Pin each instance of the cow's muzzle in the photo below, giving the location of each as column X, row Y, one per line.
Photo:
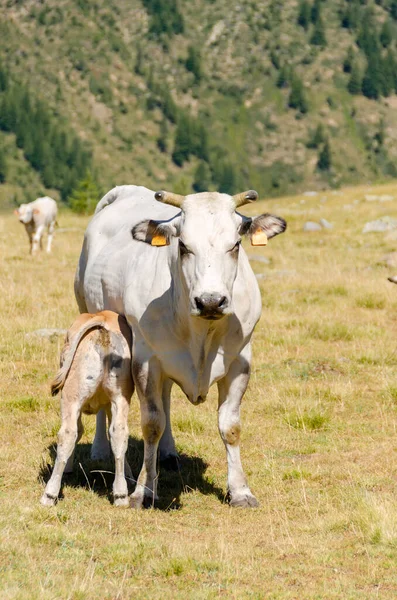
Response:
column 211, row 306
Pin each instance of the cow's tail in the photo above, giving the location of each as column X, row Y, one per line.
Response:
column 70, row 348
column 108, row 198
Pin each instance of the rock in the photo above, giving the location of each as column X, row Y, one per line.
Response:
column 49, row 334
column 326, row 224
column 386, row 198
column 311, row 226
column 390, row 259
column 371, row 198
column 382, row 224
column 259, row 258
column 310, row 193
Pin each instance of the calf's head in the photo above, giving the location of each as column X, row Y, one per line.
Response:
column 209, row 231
column 25, row 213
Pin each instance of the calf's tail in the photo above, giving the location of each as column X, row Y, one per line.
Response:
column 70, row 348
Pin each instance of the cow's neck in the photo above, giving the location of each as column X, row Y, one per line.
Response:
column 202, row 339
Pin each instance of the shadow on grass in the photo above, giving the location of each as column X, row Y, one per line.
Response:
column 176, row 477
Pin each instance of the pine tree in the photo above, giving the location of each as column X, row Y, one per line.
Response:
column 297, row 97
column 349, row 60
column 304, row 14
column 202, row 178
column 193, row 63
column 163, row 137
column 318, row 36
column 393, row 9
column 317, row 137
column 324, row 158
column 315, row 12
column 371, row 85
column 227, row 179
column 84, row 196
column 183, row 140
column 355, row 81
column 386, row 34
column 283, row 77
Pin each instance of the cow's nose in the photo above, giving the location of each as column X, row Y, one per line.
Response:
column 211, row 304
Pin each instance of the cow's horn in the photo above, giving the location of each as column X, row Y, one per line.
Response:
column 245, row 198
column 169, row 198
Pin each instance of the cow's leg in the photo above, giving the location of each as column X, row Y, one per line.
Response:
column 148, row 381
column 231, row 390
column 118, row 432
column 51, row 228
column 67, row 438
column 37, row 238
column 167, row 448
column 100, row 449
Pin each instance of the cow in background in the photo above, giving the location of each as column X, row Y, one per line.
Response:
column 37, row 215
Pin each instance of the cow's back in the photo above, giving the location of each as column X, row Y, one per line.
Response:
column 47, row 211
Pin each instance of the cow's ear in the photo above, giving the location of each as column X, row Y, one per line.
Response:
column 156, row 233
column 262, row 228
column 16, row 212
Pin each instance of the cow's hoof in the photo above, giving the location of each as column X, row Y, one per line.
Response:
column 121, row 501
column 244, row 501
column 170, row 462
column 46, row 500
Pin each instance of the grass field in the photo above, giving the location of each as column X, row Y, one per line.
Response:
column 318, row 442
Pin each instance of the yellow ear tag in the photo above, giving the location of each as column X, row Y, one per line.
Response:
column 259, row 238
column 159, row 240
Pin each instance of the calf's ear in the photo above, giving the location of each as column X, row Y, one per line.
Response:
column 262, row 228
column 156, row 233
column 36, row 211
column 16, row 212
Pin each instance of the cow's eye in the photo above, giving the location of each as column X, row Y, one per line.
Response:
column 184, row 249
column 235, row 247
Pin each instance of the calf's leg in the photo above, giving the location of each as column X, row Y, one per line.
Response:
column 37, row 238
column 67, row 438
column 51, row 228
column 231, row 390
column 118, row 431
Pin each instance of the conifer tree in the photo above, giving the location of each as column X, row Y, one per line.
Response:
column 183, row 140
column 315, row 13
column 193, row 63
column 283, row 77
column 371, row 85
column 355, row 81
column 324, row 158
column 84, row 196
column 297, row 97
column 202, row 178
column 349, row 60
column 163, row 137
column 304, row 14
column 386, row 34
column 318, row 36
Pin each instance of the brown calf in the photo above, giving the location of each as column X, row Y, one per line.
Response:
column 95, row 373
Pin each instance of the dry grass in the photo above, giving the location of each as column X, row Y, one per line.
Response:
column 319, row 436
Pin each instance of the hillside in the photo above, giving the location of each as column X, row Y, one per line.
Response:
column 207, row 94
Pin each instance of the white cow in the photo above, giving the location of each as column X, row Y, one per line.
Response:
column 95, row 373
column 37, row 215
column 180, row 276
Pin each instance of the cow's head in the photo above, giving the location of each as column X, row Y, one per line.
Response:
column 209, row 232
column 24, row 213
